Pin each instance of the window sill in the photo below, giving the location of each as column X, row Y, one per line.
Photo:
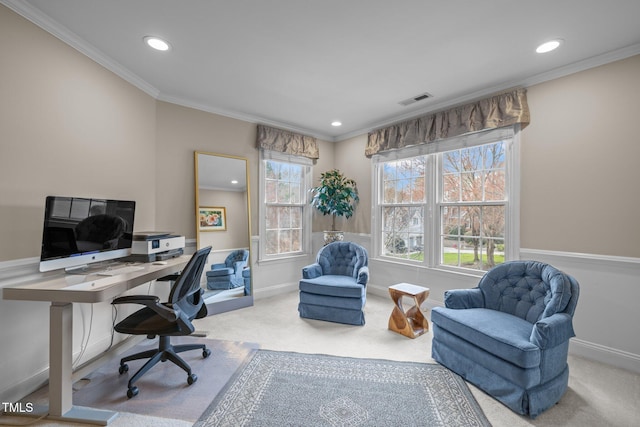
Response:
column 443, row 269
column 283, row 259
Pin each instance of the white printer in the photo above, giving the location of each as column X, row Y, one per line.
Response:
column 149, row 246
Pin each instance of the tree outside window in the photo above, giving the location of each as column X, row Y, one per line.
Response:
column 284, row 202
column 473, row 206
column 403, row 199
column 449, row 207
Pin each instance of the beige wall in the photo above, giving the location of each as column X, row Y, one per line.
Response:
column 236, row 235
column 580, row 157
column 323, row 164
column 67, row 127
column 350, row 159
column 180, row 132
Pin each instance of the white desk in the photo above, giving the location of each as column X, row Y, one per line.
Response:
column 62, row 291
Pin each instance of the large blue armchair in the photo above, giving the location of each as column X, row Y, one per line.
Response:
column 510, row 335
column 334, row 288
column 228, row 275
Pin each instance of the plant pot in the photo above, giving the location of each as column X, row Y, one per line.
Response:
column 333, row 236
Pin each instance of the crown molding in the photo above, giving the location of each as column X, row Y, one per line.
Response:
column 595, row 61
column 243, row 116
column 56, row 29
column 72, row 39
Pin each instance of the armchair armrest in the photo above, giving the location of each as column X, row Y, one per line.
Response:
column 218, row 265
column 238, row 266
column 552, row 330
column 464, row 298
column 312, row 271
column 363, row 276
column 152, row 302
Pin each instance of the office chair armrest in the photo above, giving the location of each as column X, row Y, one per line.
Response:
column 136, row 299
column 169, row 278
column 184, row 323
column 152, row 302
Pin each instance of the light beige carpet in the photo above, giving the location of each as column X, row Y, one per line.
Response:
column 598, row 395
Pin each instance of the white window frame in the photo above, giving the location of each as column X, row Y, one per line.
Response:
column 307, row 164
column 432, row 225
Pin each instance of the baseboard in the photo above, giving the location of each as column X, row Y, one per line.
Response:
column 603, row 354
column 28, row 385
column 270, row 291
column 40, row 378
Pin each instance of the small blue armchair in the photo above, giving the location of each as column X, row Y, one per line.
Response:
column 334, row 288
column 228, row 275
column 510, row 335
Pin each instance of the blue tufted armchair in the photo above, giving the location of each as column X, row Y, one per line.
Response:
column 228, row 275
column 334, row 288
column 510, row 335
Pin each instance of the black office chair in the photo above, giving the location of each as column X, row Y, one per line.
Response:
column 172, row 318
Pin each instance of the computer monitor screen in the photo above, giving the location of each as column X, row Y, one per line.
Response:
column 79, row 231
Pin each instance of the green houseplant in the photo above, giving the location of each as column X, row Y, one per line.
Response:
column 336, row 195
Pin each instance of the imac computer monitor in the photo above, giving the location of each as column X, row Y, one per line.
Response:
column 80, row 231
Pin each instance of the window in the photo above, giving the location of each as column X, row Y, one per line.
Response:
column 472, row 206
column 450, row 204
column 284, row 222
column 403, row 203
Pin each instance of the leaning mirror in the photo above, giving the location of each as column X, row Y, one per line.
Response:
column 223, row 222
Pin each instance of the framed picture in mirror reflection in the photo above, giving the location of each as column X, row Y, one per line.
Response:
column 212, row 219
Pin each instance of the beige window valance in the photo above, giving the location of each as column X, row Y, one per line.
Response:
column 284, row 141
column 501, row 110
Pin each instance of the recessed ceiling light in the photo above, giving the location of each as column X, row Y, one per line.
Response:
column 157, row 43
column 549, row 46
column 336, row 123
column 235, row 181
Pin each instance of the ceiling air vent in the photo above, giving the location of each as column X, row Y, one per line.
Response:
column 416, row 98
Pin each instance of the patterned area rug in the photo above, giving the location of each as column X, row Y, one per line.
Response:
column 295, row 389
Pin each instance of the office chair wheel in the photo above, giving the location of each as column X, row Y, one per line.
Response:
column 206, row 353
column 133, row 391
column 192, row 378
column 123, row 368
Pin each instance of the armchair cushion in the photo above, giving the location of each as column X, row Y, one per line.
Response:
column 220, row 272
column 501, row 334
column 333, row 285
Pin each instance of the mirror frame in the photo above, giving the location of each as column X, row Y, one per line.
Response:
column 222, row 306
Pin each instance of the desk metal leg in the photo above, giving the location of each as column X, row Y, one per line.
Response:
column 61, row 371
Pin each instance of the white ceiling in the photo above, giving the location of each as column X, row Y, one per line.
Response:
column 301, row 64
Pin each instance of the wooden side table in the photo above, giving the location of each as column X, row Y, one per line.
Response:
column 413, row 322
